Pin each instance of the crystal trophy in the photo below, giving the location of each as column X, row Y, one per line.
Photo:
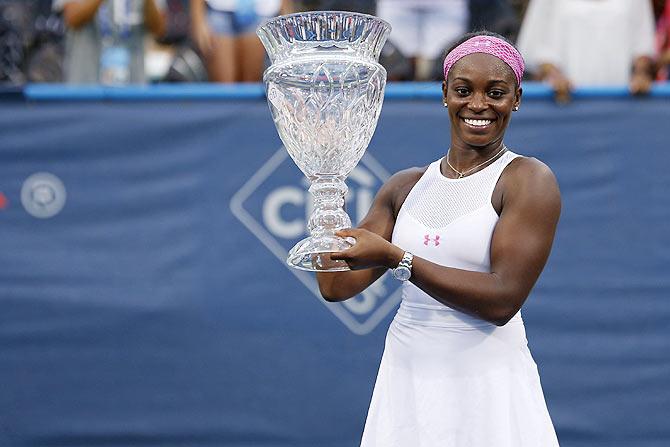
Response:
column 325, row 89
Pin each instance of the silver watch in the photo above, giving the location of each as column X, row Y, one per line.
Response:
column 404, row 270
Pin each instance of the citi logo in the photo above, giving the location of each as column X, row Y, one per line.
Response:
column 274, row 205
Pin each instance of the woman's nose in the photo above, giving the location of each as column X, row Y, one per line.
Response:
column 478, row 102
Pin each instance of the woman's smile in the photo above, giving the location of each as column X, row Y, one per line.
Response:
column 478, row 124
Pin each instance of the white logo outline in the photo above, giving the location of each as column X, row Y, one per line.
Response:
column 237, row 208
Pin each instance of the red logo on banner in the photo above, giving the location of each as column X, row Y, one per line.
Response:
column 3, row 201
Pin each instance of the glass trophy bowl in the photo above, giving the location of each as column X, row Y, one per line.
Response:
column 325, row 90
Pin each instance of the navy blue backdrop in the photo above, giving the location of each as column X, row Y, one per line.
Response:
column 144, row 300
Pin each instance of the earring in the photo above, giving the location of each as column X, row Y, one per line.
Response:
column 445, row 105
column 516, row 108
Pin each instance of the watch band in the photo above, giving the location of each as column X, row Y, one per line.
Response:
column 406, row 260
column 403, row 271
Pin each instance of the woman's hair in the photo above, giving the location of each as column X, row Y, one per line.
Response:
column 468, row 36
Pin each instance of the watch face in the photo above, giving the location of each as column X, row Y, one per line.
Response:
column 402, row 273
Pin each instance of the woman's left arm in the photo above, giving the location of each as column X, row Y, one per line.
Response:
column 520, row 246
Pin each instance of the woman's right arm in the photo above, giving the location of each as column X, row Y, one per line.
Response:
column 340, row 286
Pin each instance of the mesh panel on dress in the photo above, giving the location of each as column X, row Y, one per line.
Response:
column 436, row 201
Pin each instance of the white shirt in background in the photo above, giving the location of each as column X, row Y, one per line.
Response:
column 593, row 42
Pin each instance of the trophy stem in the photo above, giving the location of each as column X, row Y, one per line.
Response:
column 328, row 215
column 327, row 218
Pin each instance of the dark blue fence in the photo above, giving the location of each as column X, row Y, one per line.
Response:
column 144, row 299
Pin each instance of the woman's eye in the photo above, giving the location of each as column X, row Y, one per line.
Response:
column 462, row 91
column 496, row 94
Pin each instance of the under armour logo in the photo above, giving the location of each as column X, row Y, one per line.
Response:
column 427, row 239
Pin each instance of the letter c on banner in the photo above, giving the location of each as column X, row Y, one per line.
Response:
column 272, row 212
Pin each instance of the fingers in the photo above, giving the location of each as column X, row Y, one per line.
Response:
column 344, row 233
column 339, row 256
column 351, row 234
column 348, row 232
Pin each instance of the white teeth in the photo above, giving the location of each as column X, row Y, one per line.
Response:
column 477, row 122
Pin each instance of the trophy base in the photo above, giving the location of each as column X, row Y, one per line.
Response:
column 312, row 254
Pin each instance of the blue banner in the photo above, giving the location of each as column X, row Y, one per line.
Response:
column 145, row 298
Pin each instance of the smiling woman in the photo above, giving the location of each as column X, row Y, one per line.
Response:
column 468, row 236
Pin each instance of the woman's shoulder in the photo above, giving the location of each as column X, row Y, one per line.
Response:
column 528, row 177
column 523, row 168
column 409, row 175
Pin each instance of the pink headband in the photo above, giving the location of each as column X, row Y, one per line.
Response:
column 489, row 45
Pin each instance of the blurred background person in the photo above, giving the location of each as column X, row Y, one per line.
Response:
column 31, row 47
column 589, row 42
column 224, row 32
column 362, row 6
column 105, row 39
column 498, row 16
column 422, row 30
column 662, row 9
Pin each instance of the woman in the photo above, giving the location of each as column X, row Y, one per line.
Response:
column 468, row 236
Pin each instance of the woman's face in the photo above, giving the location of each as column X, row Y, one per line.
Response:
column 480, row 94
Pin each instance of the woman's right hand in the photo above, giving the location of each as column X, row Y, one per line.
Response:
column 370, row 250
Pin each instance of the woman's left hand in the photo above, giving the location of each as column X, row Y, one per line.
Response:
column 370, row 250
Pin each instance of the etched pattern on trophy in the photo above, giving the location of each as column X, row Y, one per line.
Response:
column 325, row 89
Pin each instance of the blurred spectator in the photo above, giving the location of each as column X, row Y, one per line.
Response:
column 519, row 7
column 362, row 6
column 186, row 64
column 177, row 22
column 105, row 38
column 12, row 48
column 589, row 42
column 663, row 41
column 46, row 50
column 225, row 33
column 397, row 66
column 422, row 29
column 498, row 16
column 30, row 42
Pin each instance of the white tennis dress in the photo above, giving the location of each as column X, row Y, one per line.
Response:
column 448, row 379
